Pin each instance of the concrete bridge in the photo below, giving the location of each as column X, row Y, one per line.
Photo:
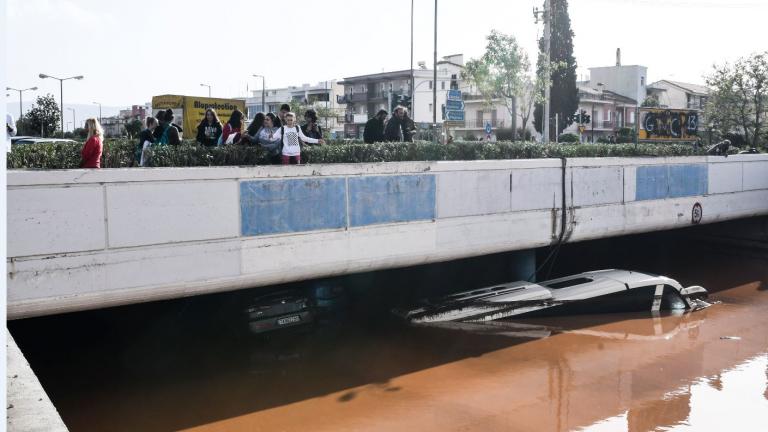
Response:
column 82, row 239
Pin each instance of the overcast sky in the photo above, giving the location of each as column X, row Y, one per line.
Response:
column 130, row 51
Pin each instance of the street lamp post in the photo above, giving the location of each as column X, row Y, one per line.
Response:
column 434, row 82
column 97, row 103
column 209, row 88
column 412, row 74
column 263, row 91
column 20, row 92
column 74, row 121
column 61, row 94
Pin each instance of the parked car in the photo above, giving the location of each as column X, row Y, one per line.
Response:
column 38, row 140
column 592, row 292
column 280, row 309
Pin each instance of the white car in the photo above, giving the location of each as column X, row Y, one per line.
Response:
column 599, row 291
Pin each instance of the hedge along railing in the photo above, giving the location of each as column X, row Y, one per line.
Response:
column 120, row 153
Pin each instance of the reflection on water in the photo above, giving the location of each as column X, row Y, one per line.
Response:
column 189, row 366
column 735, row 399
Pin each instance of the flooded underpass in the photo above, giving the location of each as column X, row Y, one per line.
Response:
column 192, row 364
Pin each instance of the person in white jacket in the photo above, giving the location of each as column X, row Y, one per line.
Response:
column 290, row 135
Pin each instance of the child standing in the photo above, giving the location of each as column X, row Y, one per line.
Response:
column 291, row 136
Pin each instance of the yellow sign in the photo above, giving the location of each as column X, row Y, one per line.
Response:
column 192, row 109
column 659, row 124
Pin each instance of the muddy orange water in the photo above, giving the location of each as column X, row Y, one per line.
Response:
column 702, row 371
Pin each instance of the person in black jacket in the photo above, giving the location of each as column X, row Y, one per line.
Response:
column 209, row 130
column 394, row 129
column 374, row 128
column 310, row 127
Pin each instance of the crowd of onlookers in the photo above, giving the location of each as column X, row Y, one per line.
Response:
column 281, row 136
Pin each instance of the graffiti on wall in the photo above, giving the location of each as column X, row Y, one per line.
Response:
column 668, row 124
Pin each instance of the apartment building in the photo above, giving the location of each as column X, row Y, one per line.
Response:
column 321, row 95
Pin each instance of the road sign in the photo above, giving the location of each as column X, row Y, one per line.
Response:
column 454, row 115
column 454, row 95
column 488, row 128
column 454, row 105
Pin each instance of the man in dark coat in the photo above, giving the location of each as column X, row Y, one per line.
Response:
column 394, row 129
column 374, row 128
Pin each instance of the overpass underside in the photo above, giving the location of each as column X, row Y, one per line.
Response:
column 82, row 239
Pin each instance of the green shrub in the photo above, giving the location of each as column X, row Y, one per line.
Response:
column 119, row 153
column 568, row 138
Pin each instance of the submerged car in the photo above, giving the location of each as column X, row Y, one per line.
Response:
column 280, row 309
column 599, row 291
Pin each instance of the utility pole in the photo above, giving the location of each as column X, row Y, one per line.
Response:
column 547, row 59
column 99, row 104
column 413, row 113
column 263, row 92
column 434, row 82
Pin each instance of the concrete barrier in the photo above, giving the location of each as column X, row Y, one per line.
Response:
column 87, row 239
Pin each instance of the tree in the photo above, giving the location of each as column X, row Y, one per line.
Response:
column 133, row 128
column 500, row 72
column 564, row 95
column 739, row 98
column 650, row 102
column 528, row 96
column 43, row 118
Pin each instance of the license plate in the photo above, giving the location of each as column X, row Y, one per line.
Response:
column 289, row 320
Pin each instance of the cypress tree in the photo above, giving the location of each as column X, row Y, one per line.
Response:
column 564, row 95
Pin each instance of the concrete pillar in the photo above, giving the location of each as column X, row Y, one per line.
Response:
column 523, row 265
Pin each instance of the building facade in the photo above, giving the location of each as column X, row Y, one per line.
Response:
column 679, row 95
column 321, row 96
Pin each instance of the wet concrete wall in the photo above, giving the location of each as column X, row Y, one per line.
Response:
column 81, row 239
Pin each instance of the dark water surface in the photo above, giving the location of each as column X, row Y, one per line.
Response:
column 189, row 364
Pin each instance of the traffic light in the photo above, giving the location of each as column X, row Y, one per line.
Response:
column 587, row 118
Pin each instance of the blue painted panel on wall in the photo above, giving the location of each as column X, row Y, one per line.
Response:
column 651, row 182
column 687, row 180
column 671, row 181
column 296, row 205
column 389, row 199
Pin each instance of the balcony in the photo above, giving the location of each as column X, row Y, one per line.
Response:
column 360, row 97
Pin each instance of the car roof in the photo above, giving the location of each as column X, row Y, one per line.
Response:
column 630, row 279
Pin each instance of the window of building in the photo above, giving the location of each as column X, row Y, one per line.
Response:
column 454, row 82
column 442, row 85
column 642, row 81
column 430, row 85
column 430, row 107
column 632, row 117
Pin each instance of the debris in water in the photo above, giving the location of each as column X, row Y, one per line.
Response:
column 730, row 338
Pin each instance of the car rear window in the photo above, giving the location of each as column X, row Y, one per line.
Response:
column 568, row 283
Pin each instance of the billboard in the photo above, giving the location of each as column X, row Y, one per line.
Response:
column 191, row 109
column 661, row 124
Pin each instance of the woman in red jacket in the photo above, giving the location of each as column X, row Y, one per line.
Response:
column 91, row 153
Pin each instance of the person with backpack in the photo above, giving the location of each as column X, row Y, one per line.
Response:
column 233, row 128
column 291, row 137
column 165, row 133
column 209, row 130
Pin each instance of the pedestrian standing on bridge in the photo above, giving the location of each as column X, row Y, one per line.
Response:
column 291, row 138
column 146, row 139
column 374, row 128
column 394, row 129
column 209, row 131
column 91, row 152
